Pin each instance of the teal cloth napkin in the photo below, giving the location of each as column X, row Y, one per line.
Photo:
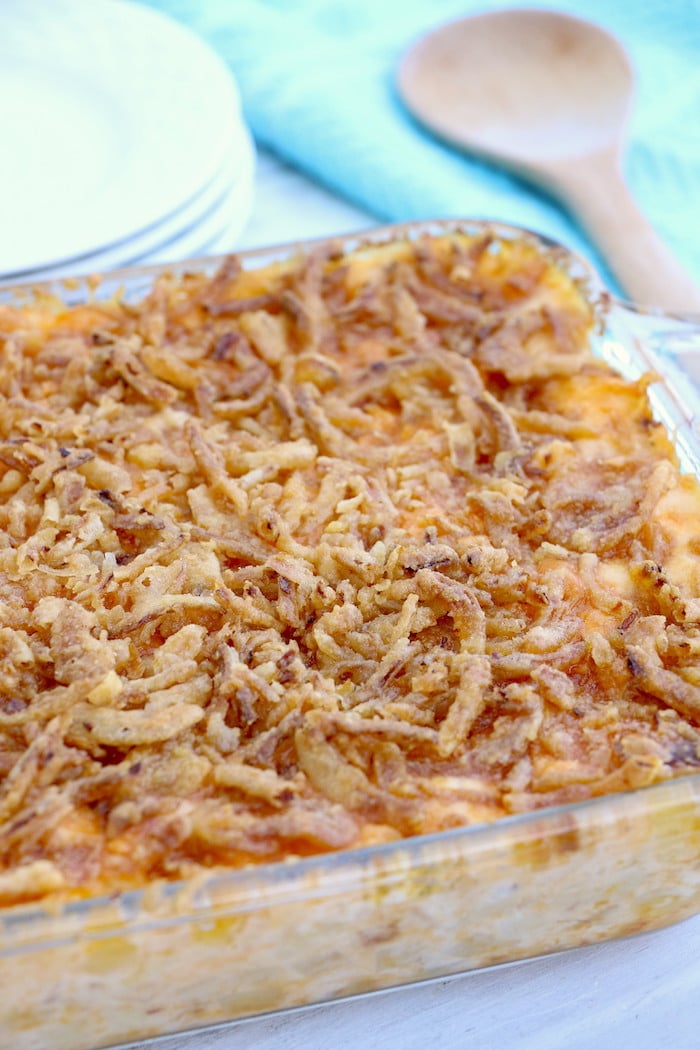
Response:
column 317, row 81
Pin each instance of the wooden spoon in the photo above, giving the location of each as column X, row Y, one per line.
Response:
column 548, row 95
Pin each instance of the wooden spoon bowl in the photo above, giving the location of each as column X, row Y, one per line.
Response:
column 548, row 95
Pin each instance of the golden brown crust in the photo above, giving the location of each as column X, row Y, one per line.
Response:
column 344, row 550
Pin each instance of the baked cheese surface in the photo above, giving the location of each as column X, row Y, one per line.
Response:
column 350, row 548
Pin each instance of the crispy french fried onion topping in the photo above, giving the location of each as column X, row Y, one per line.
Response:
column 350, row 548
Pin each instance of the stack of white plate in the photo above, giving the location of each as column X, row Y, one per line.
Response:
column 123, row 141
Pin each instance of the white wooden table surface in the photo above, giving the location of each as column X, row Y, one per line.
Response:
column 639, row 994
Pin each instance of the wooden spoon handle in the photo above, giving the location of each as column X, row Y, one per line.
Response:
column 646, row 269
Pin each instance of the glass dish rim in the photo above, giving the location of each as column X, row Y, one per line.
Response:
column 581, row 268
column 192, row 891
column 25, row 916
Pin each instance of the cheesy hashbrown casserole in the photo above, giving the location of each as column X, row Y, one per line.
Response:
column 342, row 550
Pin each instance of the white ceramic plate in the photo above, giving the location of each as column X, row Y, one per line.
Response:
column 233, row 182
column 113, row 118
column 215, row 230
column 231, row 221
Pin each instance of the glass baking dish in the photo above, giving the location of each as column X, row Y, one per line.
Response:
column 177, row 956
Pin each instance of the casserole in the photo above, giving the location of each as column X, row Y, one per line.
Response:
column 205, row 948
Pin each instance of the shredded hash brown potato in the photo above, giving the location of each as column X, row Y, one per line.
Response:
column 322, row 555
